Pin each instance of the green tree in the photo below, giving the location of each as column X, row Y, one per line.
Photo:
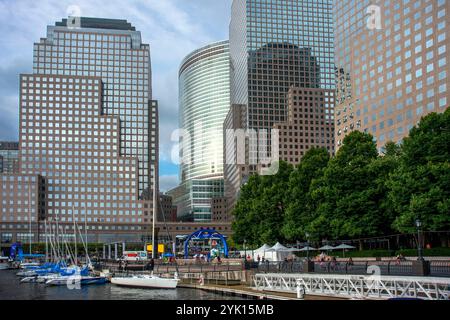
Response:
column 299, row 211
column 259, row 212
column 347, row 197
column 420, row 187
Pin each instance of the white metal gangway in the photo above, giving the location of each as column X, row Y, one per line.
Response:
column 356, row 286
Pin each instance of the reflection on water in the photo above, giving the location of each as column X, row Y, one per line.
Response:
column 12, row 289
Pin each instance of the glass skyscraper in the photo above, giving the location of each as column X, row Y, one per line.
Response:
column 392, row 65
column 9, row 157
column 204, row 101
column 276, row 44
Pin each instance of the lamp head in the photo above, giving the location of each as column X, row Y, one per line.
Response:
column 418, row 223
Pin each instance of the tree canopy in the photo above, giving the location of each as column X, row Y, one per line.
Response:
column 357, row 193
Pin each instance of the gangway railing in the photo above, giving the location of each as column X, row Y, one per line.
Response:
column 356, row 286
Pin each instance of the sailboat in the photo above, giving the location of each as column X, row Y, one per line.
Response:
column 148, row 281
column 59, row 274
column 77, row 275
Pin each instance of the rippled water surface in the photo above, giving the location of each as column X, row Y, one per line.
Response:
column 12, row 289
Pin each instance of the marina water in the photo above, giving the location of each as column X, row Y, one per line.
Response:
column 12, row 289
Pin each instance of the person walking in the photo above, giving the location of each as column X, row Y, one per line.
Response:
column 350, row 263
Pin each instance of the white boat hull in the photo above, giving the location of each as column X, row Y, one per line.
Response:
column 4, row 266
column 82, row 280
column 146, row 282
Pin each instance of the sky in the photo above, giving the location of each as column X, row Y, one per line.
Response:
column 173, row 28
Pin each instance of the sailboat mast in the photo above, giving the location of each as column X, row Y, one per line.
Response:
column 29, row 211
column 75, row 235
column 46, row 241
column 154, row 214
column 85, row 228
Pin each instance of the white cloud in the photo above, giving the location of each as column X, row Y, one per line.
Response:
column 173, row 28
column 168, row 182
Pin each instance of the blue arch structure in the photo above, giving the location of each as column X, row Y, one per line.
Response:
column 205, row 234
column 16, row 250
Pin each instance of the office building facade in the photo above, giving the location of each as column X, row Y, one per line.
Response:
column 87, row 127
column 204, row 101
column 307, row 125
column 275, row 45
column 391, row 65
column 9, row 157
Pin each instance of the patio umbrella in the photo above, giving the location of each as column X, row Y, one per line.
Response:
column 292, row 249
column 307, row 249
column 344, row 246
column 327, row 248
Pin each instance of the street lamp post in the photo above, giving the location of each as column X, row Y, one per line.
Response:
column 245, row 250
column 308, row 265
column 419, row 242
column 421, row 267
column 307, row 246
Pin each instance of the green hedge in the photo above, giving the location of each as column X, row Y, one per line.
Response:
column 435, row 252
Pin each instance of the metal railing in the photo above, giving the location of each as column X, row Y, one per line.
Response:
column 358, row 287
column 114, row 266
column 392, row 267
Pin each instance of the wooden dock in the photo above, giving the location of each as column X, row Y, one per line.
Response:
column 250, row 293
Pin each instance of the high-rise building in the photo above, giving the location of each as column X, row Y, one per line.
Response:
column 276, row 45
column 9, row 157
column 236, row 149
column 88, row 126
column 167, row 211
column 113, row 51
column 204, row 101
column 220, row 211
column 391, row 64
column 307, row 125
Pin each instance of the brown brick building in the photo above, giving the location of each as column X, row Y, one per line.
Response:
column 87, row 134
column 310, row 123
column 392, row 66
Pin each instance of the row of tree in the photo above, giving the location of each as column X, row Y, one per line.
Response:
column 358, row 193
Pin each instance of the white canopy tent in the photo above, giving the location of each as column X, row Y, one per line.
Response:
column 279, row 252
column 265, row 252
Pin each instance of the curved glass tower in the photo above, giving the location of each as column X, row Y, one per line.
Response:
column 204, row 101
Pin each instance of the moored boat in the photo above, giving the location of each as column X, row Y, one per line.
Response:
column 146, row 281
column 4, row 263
column 71, row 280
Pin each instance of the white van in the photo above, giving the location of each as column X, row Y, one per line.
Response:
column 134, row 256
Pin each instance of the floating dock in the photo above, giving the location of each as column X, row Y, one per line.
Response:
column 249, row 293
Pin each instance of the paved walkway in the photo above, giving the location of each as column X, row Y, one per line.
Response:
column 247, row 292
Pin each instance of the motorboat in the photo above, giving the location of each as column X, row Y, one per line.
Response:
column 73, row 280
column 146, row 281
column 4, row 263
column 29, row 265
column 40, row 278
